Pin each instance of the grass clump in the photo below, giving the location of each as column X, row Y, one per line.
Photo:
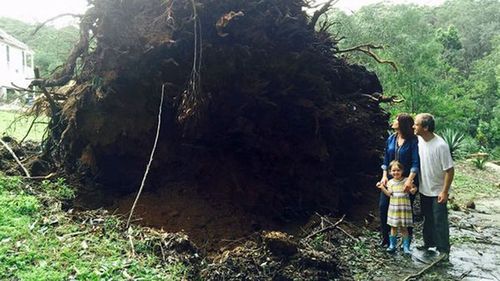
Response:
column 58, row 189
column 40, row 242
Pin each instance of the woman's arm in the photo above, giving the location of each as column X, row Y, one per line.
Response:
column 387, row 159
column 415, row 164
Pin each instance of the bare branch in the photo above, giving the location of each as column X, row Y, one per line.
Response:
column 421, row 272
column 54, row 18
column 367, row 49
column 325, row 228
column 29, row 130
column 63, row 76
column 19, row 88
column 320, row 12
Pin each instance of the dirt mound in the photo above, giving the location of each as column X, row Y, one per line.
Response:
column 26, row 153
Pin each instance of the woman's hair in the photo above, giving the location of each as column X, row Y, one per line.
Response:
column 397, row 164
column 405, row 122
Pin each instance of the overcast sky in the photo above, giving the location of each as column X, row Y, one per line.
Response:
column 41, row 10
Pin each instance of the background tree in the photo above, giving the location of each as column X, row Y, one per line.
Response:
column 447, row 58
column 51, row 45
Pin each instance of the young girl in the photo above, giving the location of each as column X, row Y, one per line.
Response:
column 400, row 213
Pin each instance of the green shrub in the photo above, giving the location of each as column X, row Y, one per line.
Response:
column 479, row 160
column 454, row 139
column 469, row 146
column 495, row 153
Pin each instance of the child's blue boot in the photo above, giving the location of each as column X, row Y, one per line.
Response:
column 393, row 240
column 406, row 245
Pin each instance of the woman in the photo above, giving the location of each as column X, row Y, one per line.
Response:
column 403, row 147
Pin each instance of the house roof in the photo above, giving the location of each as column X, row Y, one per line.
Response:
column 9, row 39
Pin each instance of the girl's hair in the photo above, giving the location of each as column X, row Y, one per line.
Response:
column 397, row 164
column 406, row 125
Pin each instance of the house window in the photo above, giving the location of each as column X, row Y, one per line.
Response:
column 29, row 60
column 24, row 60
column 7, row 50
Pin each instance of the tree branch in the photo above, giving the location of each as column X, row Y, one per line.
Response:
column 325, row 228
column 418, row 274
column 367, row 49
column 320, row 12
column 54, row 18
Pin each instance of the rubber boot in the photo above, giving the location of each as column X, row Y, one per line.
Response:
column 393, row 240
column 406, row 245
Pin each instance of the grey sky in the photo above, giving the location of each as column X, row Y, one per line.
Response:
column 40, row 10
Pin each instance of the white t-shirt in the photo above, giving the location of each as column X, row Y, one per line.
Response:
column 435, row 159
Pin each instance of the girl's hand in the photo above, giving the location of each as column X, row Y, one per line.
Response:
column 381, row 186
column 408, row 185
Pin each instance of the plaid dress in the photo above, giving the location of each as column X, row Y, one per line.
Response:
column 399, row 213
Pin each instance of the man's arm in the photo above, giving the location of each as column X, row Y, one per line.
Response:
column 448, row 178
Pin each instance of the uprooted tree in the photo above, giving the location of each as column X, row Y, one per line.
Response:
column 259, row 111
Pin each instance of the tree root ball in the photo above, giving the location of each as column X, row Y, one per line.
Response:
column 261, row 117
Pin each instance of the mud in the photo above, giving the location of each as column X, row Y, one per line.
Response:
column 210, row 223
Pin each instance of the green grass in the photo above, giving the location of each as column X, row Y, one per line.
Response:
column 471, row 183
column 39, row 241
column 16, row 125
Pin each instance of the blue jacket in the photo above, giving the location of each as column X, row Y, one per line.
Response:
column 407, row 154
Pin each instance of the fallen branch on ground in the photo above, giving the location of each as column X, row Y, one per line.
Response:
column 49, row 176
column 326, row 228
column 341, row 229
column 346, row 233
column 425, row 269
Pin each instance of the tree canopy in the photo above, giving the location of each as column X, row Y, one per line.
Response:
column 447, row 56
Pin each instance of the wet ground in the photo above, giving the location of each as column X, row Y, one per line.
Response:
column 474, row 256
column 476, row 242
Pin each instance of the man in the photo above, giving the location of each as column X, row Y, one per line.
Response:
column 436, row 175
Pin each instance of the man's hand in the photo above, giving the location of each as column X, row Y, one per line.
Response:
column 442, row 197
column 413, row 189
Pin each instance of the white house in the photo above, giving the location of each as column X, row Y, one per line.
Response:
column 16, row 63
